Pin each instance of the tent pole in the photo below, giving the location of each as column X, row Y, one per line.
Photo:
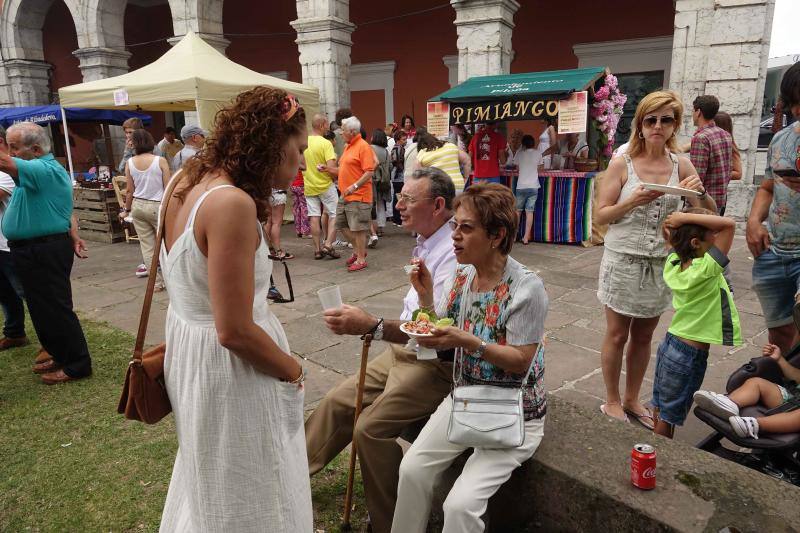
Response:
column 66, row 141
column 109, row 147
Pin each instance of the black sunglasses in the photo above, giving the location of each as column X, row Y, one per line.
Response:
column 652, row 121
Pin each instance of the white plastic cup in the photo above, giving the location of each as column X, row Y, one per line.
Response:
column 425, row 354
column 330, row 297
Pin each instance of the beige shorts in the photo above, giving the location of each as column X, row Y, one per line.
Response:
column 355, row 216
column 632, row 285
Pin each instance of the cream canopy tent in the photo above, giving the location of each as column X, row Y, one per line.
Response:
column 190, row 76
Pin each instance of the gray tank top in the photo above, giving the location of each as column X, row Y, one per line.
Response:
column 638, row 232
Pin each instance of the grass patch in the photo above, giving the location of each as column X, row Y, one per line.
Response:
column 71, row 463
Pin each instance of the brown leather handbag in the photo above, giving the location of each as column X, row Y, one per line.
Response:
column 144, row 395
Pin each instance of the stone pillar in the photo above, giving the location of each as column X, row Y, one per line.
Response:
column 29, row 81
column 323, row 39
column 484, row 29
column 6, row 100
column 721, row 47
column 100, row 63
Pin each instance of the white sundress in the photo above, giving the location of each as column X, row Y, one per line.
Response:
column 241, row 464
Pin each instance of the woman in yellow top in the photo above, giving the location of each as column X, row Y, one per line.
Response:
column 443, row 155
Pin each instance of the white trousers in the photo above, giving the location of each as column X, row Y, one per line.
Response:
column 485, row 471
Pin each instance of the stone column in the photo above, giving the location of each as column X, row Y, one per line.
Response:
column 6, row 100
column 484, row 29
column 99, row 63
column 721, row 47
column 323, row 39
column 29, row 81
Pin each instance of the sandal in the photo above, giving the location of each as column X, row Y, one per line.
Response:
column 282, row 255
column 623, row 419
column 331, row 252
column 646, row 419
column 319, row 255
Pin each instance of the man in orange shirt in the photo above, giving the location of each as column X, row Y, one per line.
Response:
column 353, row 212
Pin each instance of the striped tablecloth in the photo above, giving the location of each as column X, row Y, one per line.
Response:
column 563, row 210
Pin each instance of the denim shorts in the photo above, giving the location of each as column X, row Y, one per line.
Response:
column 776, row 281
column 526, row 199
column 680, row 370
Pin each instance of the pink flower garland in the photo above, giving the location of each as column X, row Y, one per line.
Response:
column 606, row 112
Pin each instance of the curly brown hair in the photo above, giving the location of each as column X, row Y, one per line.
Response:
column 247, row 144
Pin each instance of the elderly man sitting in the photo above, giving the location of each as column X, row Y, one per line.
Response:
column 43, row 235
column 399, row 390
column 354, row 211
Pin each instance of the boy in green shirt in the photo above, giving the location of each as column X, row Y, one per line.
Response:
column 704, row 310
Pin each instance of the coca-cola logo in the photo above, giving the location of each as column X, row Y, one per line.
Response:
column 649, row 473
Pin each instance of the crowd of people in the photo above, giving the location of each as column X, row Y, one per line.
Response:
column 236, row 391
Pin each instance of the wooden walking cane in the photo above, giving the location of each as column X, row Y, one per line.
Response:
column 362, row 372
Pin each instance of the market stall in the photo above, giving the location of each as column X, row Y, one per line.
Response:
column 191, row 76
column 585, row 101
column 51, row 115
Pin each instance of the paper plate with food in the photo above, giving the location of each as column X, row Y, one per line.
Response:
column 669, row 189
column 422, row 322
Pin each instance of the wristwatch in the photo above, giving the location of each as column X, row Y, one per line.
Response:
column 377, row 331
column 480, row 351
column 355, row 186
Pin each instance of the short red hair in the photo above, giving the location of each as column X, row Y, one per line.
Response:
column 495, row 207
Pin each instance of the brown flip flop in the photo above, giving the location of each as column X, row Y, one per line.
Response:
column 647, row 419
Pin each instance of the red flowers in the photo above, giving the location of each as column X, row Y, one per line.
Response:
column 501, row 291
column 492, row 313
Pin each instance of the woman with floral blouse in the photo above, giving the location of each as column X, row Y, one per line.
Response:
column 498, row 307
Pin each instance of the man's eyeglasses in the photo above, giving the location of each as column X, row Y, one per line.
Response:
column 465, row 227
column 666, row 120
column 407, row 199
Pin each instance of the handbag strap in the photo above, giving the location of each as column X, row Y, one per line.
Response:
column 153, row 271
column 458, row 362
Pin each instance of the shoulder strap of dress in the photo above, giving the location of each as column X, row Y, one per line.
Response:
column 631, row 172
column 196, row 206
column 675, row 176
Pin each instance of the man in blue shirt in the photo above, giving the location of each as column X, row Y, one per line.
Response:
column 42, row 236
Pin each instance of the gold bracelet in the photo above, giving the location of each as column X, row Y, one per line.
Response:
column 299, row 379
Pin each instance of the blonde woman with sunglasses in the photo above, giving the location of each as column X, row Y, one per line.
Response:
column 631, row 287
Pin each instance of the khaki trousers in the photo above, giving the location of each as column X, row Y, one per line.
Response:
column 145, row 219
column 398, row 390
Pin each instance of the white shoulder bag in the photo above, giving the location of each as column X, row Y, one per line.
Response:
column 485, row 416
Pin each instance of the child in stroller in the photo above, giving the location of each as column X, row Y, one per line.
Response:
column 757, row 391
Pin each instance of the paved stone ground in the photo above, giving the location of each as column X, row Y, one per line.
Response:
column 105, row 289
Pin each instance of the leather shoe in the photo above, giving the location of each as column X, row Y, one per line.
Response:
column 45, row 367
column 13, row 342
column 54, row 378
column 42, row 356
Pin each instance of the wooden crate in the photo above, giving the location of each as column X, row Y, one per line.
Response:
column 97, row 211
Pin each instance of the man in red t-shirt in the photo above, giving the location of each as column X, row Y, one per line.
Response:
column 488, row 152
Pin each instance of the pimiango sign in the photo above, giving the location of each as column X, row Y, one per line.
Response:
column 481, row 112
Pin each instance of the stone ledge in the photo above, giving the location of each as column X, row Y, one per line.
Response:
column 579, row 480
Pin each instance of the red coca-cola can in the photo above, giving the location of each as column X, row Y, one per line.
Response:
column 643, row 467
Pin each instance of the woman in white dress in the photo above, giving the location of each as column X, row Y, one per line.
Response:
column 235, row 389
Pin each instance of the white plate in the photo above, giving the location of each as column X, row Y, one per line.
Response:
column 413, row 335
column 669, row 189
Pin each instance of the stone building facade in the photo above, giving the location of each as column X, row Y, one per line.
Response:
column 386, row 59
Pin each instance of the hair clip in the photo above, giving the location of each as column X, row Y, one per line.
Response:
column 290, row 107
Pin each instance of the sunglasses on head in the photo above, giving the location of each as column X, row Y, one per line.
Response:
column 651, row 121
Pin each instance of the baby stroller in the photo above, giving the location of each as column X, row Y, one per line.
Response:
column 777, row 455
